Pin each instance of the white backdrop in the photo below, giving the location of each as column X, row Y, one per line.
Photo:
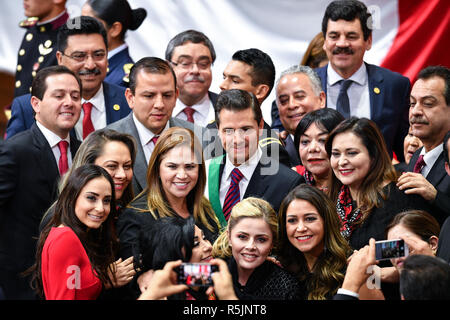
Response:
column 281, row 28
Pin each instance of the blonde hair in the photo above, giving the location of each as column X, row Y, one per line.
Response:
column 248, row 208
column 156, row 199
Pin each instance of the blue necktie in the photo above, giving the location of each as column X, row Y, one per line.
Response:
column 233, row 195
column 343, row 103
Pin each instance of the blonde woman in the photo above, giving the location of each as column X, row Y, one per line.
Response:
column 250, row 237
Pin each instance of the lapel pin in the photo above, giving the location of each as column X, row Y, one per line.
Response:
column 376, row 90
column 116, row 107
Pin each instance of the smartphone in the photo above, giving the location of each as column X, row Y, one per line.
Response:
column 196, row 274
column 390, row 249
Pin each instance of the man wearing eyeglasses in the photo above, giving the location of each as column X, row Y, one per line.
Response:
column 81, row 47
column 191, row 55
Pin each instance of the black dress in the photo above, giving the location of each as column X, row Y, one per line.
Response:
column 379, row 218
column 267, row 282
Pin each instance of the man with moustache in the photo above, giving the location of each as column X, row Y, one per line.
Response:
column 82, row 47
column 298, row 91
column 37, row 49
column 191, row 55
column 429, row 116
column 356, row 88
column 31, row 164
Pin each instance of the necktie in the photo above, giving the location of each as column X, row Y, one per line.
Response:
column 343, row 103
column 189, row 113
column 233, row 194
column 420, row 163
column 63, row 162
column 154, row 139
column 88, row 127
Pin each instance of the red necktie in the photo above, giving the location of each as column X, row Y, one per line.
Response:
column 233, row 195
column 63, row 162
column 420, row 163
column 189, row 113
column 88, row 127
column 154, row 140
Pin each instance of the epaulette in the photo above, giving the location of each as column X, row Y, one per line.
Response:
column 127, row 68
column 30, row 22
column 269, row 140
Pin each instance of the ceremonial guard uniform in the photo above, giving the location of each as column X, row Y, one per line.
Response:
column 119, row 66
column 37, row 51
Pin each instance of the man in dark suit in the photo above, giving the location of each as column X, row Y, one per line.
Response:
column 82, row 47
column 191, row 55
column 298, row 91
column 252, row 70
column 444, row 237
column 151, row 95
column 356, row 88
column 31, row 164
column 429, row 116
column 244, row 170
column 37, row 49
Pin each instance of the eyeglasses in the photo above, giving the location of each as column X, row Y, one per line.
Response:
column 83, row 56
column 202, row 65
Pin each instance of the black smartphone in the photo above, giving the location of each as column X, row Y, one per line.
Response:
column 389, row 249
column 196, row 274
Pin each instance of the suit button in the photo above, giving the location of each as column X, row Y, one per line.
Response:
column 29, row 37
column 19, row 68
column 21, row 52
column 18, row 83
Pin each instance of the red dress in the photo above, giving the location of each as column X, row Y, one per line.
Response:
column 67, row 273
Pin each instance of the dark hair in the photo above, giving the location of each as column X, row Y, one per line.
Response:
column 263, row 69
column 348, row 10
column 447, row 136
column 93, row 147
column 238, row 100
column 441, row 72
column 152, row 65
column 327, row 272
column 79, row 25
column 425, row 278
column 118, row 11
column 325, row 118
column 164, row 240
column 314, row 54
column 189, row 36
column 381, row 168
column 39, row 84
column 100, row 244
column 419, row 222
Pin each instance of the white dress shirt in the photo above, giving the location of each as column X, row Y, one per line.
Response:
column 246, row 169
column 53, row 140
column 204, row 111
column 145, row 137
column 358, row 92
column 430, row 158
column 98, row 113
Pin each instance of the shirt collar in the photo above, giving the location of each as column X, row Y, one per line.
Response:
column 360, row 76
column 98, row 100
column 52, row 138
column 246, row 168
column 431, row 156
column 201, row 107
column 145, row 135
column 117, row 50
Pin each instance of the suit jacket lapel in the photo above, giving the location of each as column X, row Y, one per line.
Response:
column 376, row 92
column 47, row 162
column 258, row 183
column 112, row 115
column 437, row 172
column 140, row 165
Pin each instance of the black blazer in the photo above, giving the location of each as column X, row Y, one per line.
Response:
column 28, row 186
column 272, row 187
column 131, row 220
column 441, row 181
column 443, row 250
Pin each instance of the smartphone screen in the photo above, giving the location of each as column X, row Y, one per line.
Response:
column 389, row 249
column 196, row 274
